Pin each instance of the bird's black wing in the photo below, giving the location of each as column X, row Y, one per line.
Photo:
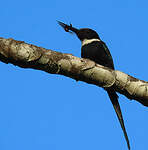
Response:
column 108, row 54
column 98, row 52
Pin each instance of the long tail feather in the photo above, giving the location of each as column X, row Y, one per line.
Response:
column 114, row 99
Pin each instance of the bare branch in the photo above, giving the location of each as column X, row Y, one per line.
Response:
column 29, row 56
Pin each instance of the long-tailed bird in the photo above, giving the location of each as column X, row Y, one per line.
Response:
column 95, row 49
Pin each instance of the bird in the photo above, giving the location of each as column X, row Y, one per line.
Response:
column 95, row 49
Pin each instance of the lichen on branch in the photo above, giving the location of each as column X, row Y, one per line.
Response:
column 30, row 56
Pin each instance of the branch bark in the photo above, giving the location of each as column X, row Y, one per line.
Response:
column 29, row 56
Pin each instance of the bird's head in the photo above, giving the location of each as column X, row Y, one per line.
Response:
column 86, row 33
column 82, row 34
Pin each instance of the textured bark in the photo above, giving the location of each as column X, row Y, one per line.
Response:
column 29, row 56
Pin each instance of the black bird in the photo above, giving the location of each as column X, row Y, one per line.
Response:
column 95, row 49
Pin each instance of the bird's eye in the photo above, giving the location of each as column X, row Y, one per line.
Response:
column 66, row 29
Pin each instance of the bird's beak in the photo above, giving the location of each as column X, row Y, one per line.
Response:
column 68, row 28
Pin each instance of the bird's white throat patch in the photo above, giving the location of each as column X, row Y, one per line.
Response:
column 87, row 41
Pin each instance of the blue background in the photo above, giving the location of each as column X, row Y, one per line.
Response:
column 50, row 112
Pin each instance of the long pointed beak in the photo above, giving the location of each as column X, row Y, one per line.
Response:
column 68, row 27
column 62, row 24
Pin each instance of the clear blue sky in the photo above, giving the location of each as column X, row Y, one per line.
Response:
column 40, row 111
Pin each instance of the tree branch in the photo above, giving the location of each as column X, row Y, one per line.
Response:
column 29, row 56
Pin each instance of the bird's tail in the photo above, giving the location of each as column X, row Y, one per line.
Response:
column 114, row 99
column 68, row 27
